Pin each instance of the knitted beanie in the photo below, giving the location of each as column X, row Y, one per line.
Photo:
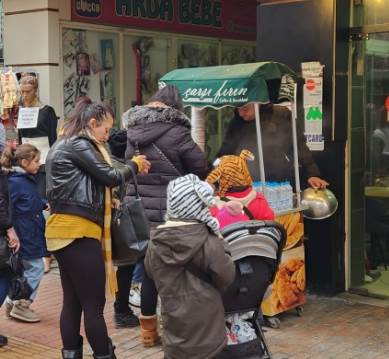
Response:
column 232, row 171
column 190, row 198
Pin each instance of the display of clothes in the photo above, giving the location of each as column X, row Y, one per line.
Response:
column 9, row 99
column 9, row 91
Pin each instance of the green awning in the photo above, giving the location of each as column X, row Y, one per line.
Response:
column 229, row 85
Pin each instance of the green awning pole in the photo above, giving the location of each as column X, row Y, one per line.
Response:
column 295, row 148
column 260, row 150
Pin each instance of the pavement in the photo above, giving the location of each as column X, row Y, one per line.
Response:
column 346, row 326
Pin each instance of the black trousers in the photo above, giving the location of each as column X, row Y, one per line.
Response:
column 148, row 296
column 124, row 279
column 82, row 273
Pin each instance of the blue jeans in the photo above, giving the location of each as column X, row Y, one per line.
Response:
column 137, row 276
column 33, row 271
column 5, row 278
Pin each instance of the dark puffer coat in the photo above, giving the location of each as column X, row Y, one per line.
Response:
column 169, row 130
column 27, row 216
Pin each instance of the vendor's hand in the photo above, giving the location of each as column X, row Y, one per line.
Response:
column 317, row 183
column 13, row 240
column 115, row 203
column 142, row 163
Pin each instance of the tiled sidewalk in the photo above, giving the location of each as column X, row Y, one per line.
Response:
column 330, row 328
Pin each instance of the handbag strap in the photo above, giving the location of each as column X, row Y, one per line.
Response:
column 122, row 188
column 165, row 158
column 245, row 209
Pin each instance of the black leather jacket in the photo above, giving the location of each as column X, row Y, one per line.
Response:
column 76, row 176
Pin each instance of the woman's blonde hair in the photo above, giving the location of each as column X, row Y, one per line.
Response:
column 29, row 80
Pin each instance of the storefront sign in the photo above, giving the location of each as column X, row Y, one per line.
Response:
column 216, row 18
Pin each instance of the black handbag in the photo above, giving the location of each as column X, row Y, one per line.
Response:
column 5, row 252
column 130, row 228
column 18, row 287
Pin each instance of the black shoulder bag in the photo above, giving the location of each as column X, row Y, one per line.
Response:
column 130, row 228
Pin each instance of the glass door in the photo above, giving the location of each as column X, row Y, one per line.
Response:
column 369, row 162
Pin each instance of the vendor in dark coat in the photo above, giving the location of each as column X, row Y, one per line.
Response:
column 277, row 144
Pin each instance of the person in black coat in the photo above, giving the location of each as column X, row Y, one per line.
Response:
column 162, row 132
column 277, row 145
column 8, row 234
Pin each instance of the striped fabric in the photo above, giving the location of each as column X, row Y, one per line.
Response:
column 190, row 198
column 106, row 241
column 232, row 171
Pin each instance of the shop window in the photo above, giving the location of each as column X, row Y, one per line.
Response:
column 370, row 12
column 145, row 62
column 233, row 54
column 90, row 67
column 196, row 54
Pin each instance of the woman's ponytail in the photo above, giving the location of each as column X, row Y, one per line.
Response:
column 7, row 159
column 85, row 110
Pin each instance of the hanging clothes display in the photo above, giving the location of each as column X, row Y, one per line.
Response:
column 9, row 99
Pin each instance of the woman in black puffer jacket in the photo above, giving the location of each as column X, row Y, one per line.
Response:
column 162, row 132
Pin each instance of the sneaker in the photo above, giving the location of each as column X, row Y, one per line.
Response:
column 3, row 340
column 8, row 305
column 22, row 311
column 126, row 320
column 134, row 298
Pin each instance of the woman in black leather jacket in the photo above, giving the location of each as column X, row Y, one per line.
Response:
column 6, row 233
column 80, row 176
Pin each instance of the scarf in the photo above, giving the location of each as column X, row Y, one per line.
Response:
column 106, row 241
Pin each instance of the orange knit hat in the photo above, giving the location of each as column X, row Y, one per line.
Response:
column 232, row 171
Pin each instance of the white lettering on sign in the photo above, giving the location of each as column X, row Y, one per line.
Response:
column 223, row 94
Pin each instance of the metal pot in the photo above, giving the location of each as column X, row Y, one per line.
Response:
column 320, row 203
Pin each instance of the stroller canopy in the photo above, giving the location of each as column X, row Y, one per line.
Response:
column 230, row 85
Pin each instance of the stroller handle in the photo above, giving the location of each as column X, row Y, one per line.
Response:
column 253, row 226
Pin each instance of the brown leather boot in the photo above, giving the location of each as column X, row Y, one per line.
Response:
column 149, row 330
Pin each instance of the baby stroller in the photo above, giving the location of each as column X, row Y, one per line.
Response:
column 256, row 248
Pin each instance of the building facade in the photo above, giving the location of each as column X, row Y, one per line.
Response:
column 115, row 51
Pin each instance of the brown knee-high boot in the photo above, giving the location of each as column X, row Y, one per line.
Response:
column 149, row 330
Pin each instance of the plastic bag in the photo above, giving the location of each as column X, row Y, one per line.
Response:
column 241, row 328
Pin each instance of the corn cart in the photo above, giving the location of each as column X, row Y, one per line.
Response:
column 237, row 85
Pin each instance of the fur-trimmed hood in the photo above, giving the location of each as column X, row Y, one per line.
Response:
column 145, row 114
column 146, row 124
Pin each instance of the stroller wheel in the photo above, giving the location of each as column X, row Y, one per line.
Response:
column 272, row 322
column 300, row 311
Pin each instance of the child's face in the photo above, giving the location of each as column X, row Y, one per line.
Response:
column 31, row 167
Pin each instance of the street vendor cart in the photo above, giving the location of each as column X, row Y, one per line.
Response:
column 237, row 85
